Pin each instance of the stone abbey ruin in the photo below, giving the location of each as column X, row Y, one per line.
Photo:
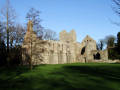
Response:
column 66, row 50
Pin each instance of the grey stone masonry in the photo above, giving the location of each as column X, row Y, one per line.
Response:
column 66, row 50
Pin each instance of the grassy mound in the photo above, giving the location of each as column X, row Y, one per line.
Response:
column 62, row 77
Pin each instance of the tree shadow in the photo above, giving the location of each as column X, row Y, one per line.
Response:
column 87, row 78
column 97, row 71
column 68, row 77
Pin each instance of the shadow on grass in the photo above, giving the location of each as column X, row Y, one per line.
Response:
column 97, row 71
column 66, row 77
column 91, row 77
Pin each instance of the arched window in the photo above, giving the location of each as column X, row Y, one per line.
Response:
column 83, row 51
column 97, row 56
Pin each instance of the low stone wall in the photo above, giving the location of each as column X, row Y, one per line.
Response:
column 106, row 61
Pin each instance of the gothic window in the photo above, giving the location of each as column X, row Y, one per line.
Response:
column 83, row 51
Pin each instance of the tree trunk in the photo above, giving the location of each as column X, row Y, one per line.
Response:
column 7, row 34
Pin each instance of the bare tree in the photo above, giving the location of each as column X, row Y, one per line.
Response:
column 17, row 34
column 101, row 44
column 34, row 16
column 117, row 7
column 45, row 34
column 8, row 14
column 2, row 31
column 49, row 35
column 20, row 32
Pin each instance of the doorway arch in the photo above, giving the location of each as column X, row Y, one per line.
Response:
column 97, row 56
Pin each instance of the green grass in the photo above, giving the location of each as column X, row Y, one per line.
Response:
column 62, row 77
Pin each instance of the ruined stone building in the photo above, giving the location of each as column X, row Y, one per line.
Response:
column 66, row 50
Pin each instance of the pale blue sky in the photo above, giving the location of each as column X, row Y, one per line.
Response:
column 86, row 17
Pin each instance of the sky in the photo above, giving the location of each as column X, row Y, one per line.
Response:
column 86, row 17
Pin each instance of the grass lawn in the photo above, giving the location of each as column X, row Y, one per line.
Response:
column 75, row 76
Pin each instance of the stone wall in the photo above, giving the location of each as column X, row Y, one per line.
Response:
column 68, row 37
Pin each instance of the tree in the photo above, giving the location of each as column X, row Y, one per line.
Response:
column 12, row 35
column 2, row 47
column 17, row 34
column 34, row 16
column 2, row 30
column 110, row 41
column 8, row 14
column 45, row 34
column 118, row 41
column 49, row 35
column 100, row 44
column 117, row 7
column 112, row 50
column 2, row 53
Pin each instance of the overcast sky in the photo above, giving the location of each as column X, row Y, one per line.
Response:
column 86, row 17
